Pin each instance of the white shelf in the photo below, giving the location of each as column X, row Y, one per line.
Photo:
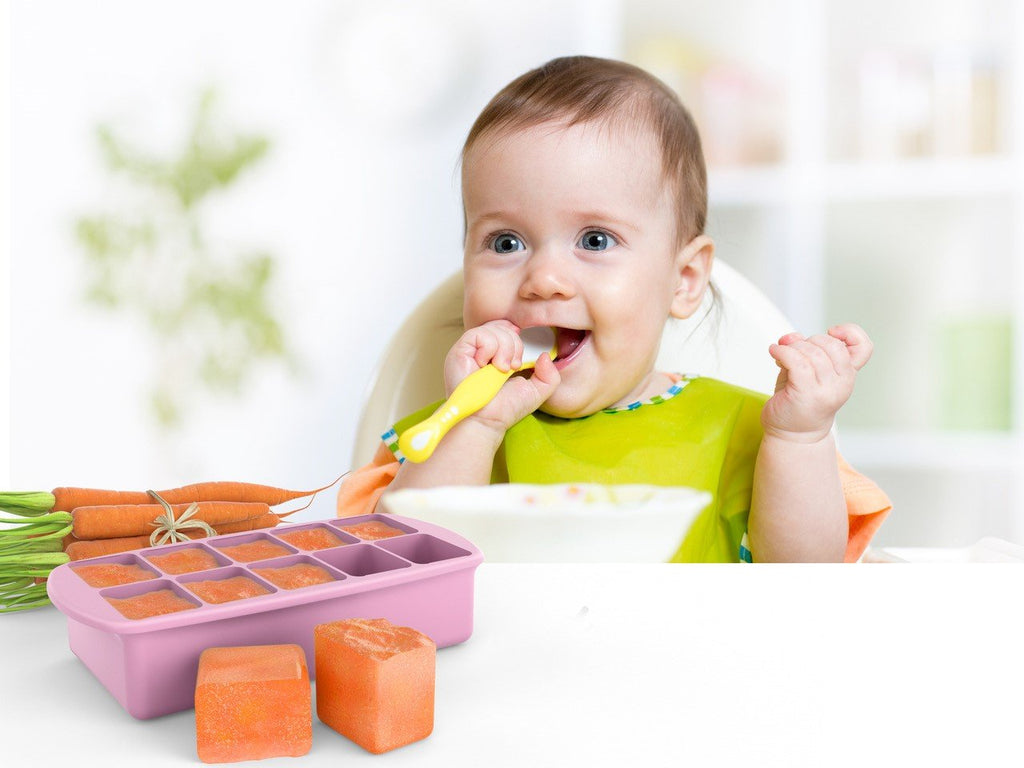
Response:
column 759, row 185
column 911, row 179
column 922, row 179
column 938, row 451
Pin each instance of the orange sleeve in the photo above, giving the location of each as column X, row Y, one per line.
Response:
column 866, row 506
column 363, row 487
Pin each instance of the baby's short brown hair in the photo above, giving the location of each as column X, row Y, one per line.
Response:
column 580, row 89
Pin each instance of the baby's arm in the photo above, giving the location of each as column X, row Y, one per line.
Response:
column 798, row 512
column 465, row 455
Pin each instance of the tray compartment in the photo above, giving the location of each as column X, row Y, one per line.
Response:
column 317, row 536
column 422, row 548
column 361, row 559
column 215, row 587
column 251, row 547
column 261, row 568
column 140, row 589
column 85, row 570
column 381, row 520
column 177, row 553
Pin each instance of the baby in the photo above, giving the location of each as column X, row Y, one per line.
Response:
column 585, row 201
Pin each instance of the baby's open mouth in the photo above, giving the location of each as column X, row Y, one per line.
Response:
column 569, row 341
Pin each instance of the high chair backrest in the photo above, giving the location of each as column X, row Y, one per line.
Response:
column 726, row 338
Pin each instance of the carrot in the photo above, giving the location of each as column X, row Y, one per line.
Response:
column 69, row 498
column 80, row 549
column 119, row 520
column 66, row 499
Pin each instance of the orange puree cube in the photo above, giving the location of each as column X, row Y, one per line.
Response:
column 375, row 682
column 184, row 561
column 295, row 576
column 155, row 603
column 254, row 550
column 253, row 702
column 311, row 538
column 111, row 574
column 372, row 530
column 226, row 590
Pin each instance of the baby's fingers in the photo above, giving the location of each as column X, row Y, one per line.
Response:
column 839, row 360
column 857, row 342
column 798, row 367
column 545, row 377
column 822, row 354
column 524, row 394
column 495, row 342
column 791, row 338
column 787, row 340
column 498, row 343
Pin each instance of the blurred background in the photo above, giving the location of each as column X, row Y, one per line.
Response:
column 220, row 212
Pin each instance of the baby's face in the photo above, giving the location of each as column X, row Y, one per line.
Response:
column 574, row 228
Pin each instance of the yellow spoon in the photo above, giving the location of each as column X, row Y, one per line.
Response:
column 475, row 391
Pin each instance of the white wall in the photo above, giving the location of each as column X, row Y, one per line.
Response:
column 358, row 199
column 5, row 258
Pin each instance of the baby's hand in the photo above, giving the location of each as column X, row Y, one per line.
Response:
column 817, row 377
column 498, row 342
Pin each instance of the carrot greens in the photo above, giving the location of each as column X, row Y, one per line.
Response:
column 30, row 547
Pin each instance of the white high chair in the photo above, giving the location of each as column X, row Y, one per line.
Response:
column 726, row 339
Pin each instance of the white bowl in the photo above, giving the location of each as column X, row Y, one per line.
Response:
column 573, row 522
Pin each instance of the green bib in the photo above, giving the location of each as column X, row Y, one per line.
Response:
column 702, row 433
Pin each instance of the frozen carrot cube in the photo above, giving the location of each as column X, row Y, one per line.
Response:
column 112, row 574
column 375, row 682
column 226, row 590
column 155, row 603
column 311, row 538
column 372, row 530
column 295, row 576
column 254, row 550
column 253, row 702
column 186, row 560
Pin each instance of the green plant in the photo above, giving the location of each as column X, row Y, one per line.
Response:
column 207, row 306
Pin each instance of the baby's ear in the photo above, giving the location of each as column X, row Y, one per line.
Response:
column 693, row 272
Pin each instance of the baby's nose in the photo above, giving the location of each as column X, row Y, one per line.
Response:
column 548, row 275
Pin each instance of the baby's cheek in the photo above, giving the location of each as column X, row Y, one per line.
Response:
column 479, row 305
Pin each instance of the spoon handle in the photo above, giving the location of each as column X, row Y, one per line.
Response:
column 474, row 392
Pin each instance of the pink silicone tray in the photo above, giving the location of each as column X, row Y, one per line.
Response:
column 422, row 578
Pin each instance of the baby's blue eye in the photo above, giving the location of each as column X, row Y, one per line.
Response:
column 596, row 240
column 506, row 243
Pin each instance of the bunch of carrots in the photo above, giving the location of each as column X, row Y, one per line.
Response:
column 48, row 529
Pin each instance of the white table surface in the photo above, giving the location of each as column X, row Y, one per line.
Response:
column 581, row 665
